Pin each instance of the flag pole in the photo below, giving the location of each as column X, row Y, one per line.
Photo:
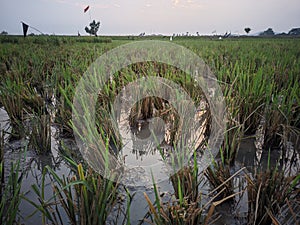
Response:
column 37, row 30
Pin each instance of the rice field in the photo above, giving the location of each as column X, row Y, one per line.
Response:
column 254, row 179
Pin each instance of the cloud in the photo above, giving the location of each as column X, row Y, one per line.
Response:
column 79, row 4
column 100, row 6
column 175, row 2
column 69, row 2
column 186, row 4
column 116, row 5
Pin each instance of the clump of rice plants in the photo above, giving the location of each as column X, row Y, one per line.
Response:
column 10, row 195
column 231, row 143
column 40, row 137
column 219, row 174
column 10, row 188
column 12, row 100
column 268, row 192
column 66, row 85
column 174, row 212
column 281, row 116
column 186, row 207
column 186, row 181
column 20, row 101
column 86, row 197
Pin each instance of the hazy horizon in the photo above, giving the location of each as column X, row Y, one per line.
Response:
column 152, row 17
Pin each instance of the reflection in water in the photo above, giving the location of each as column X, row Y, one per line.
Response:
column 146, row 137
column 286, row 157
column 158, row 135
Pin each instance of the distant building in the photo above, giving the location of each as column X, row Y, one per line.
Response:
column 3, row 33
column 294, row 32
column 268, row 32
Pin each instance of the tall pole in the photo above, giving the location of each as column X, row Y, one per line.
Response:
column 37, row 30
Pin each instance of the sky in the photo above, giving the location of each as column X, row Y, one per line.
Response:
column 131, row 17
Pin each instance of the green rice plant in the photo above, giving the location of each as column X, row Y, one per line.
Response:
column 62, row 81
column 186, row 182
column 11, row 92
column 267, row 194
column 99, row 148
column 104, row 122
column 186, row 208
column 66, row 89
column 231, row 143
column 127, row 211
column 9, row 39
column 252, row 83
column 86, row 198
column 10, row 193
column 36, row 111
column 49, row 210
column 40, row 136
column 237, row 116
column 235, row 129
column 20, row 99
column 254, row 90
column 281, row 117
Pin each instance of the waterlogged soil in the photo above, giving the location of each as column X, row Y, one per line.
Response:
column 32, row 166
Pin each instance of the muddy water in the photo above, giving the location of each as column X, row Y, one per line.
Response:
column 32, row 167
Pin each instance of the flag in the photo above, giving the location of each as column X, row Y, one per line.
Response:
column 25, row 28
column 86, row 9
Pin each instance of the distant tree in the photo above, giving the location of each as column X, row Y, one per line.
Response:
column 4, row 33
column 247, row 30
column 94, row 27
column 268, row 32
column 294, row 31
